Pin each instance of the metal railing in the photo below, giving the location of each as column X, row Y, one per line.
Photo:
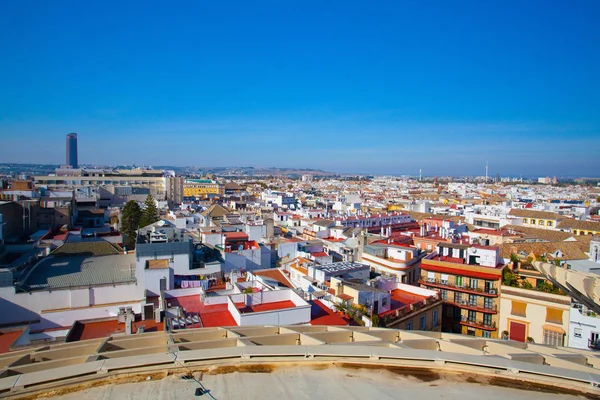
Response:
column 480, row 324
column 492, row 290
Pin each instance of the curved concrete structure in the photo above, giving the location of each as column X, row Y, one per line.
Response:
column 584, row 287
column 63, row 368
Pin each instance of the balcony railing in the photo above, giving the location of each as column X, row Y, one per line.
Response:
column 492, row 309
column 463, row 288
column 392, row 317
column 464, row 320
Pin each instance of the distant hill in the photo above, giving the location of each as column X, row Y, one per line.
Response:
column 44, row 169
column 247, row 171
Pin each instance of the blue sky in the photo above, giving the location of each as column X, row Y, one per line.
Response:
column 353, row 87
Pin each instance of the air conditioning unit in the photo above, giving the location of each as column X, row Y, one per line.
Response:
column 492, row 291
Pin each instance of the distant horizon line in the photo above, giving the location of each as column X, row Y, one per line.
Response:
column 491, row 176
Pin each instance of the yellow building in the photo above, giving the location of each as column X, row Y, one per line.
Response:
column 537, row 219
column 527, row 314
column 578, row 227
column 200, row 188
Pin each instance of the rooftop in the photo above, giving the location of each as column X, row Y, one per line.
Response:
column 83, row 330
column 91, row 248
column 276, row 305
column 275, row 274
column 322, row 315
column 344, row 266
column 66, row 272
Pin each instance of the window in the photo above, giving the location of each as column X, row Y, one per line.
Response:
column 524, row 220
column 487, row 319
column 554, row 315
column 549, row 223
column 486, row 334
column 422, row 321
column 541, row 222
column 578, row 332
column 444, row 295
column 444, row 279
column 488, row 303
column 553, row 338
column 457, row 297
column 409, row 326
column 473, row 283
column 434, row 321
column 472, row 300
column 459, row 281
column 519, row 308
column 472, row 316
column 430, row 276
column 532, row 221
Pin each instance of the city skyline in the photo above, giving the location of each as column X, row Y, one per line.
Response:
column 440, row 87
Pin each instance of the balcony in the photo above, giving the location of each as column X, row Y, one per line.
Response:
column 464, row 320
column 392, row 317
column 466, row 305
column 443, row 284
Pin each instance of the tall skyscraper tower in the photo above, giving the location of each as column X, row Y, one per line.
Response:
column 72, row 150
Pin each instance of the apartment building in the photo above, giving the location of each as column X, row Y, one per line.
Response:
column 390, row 258
column 537, row 219
column 468, row 279
column 201, row 187
column 531, row 315
column 91, row 185
column 580, row 227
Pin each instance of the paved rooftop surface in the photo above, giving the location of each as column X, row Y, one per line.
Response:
column 320, row 314
column 316, row 383
column 99, row 329
column 436, row 360
column 277, row 305
column 405, row 298
column 71, row 271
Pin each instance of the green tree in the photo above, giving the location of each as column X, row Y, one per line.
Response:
column 525, row 284
column 514, row 258
column 545, row 287
column 149, row 213
column 130, row 221
column 508, row 278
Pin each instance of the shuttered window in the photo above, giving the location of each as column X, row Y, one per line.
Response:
column 554, row 315
column 519, row 308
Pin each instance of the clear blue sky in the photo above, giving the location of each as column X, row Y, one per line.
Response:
column 386, row 87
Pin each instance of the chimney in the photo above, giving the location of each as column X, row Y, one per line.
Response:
column 129, row 316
